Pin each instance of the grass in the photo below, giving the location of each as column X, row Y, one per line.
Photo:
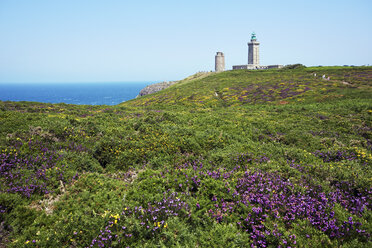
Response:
column 238, row 159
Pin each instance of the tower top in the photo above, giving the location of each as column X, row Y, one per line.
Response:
column 253, row 37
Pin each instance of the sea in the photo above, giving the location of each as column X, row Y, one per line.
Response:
column 72, row 93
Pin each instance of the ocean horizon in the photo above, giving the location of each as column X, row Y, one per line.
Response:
column 94, row 93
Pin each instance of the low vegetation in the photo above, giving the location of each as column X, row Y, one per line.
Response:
column 271, row 158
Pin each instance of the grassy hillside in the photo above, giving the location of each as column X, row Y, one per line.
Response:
column 232, row 159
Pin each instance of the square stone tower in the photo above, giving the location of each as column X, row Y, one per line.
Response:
column 253, row 51
column 219, row 62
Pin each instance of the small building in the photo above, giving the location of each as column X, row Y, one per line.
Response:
column 249, row 67
column 274, row 66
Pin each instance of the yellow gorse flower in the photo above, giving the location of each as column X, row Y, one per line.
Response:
column 116, row 216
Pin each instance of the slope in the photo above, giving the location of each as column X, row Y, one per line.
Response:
column 233, row 159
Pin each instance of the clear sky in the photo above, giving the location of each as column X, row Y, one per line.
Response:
column 119, row 40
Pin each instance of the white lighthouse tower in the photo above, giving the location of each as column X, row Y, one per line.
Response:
column 254, row 57
column 253, row 51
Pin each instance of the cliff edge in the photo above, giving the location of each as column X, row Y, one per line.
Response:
column 152, row 88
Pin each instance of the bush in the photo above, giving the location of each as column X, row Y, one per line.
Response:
column 293, row 66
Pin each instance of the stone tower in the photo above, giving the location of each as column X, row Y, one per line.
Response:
column 253, row 51
column 219, row 62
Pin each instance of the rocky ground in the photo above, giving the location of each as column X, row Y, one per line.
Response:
column 149, row 89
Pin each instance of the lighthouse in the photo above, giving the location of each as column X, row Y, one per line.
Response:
column 253, row 51
column 254, row 57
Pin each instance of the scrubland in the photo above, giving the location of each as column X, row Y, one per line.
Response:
column 272, row 158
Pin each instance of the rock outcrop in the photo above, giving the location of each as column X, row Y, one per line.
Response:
column 152, row 88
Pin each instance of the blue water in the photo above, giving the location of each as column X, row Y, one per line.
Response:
column 74, row 93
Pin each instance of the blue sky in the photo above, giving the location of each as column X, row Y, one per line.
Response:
column 112, row 40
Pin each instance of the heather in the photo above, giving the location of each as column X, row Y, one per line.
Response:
column 276, row 158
